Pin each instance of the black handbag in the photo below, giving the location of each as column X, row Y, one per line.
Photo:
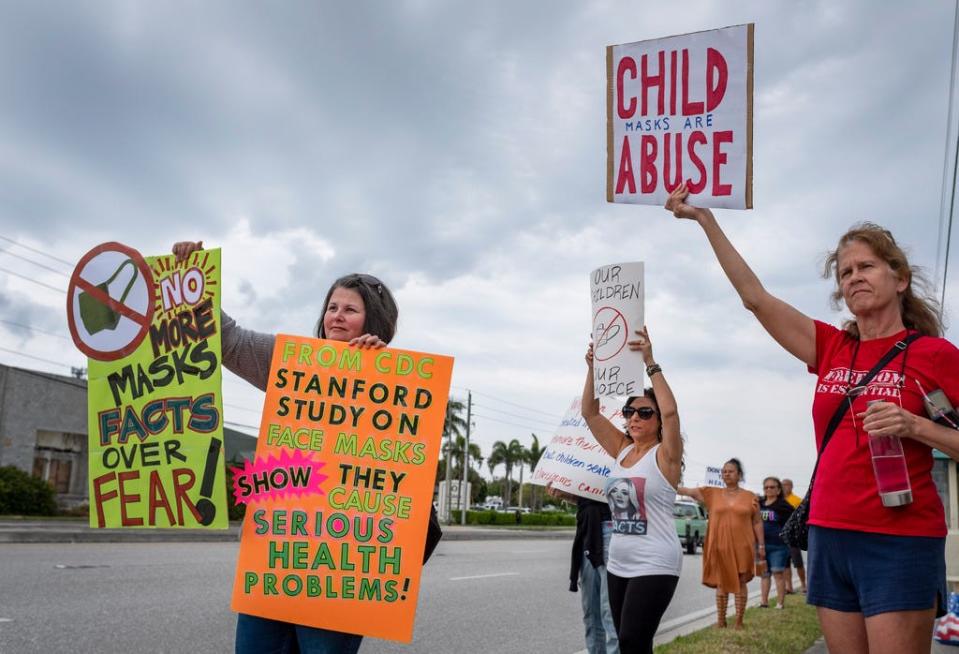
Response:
column 795, row 532
column 433, row 534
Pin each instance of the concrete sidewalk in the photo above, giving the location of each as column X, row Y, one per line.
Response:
column 78, row 531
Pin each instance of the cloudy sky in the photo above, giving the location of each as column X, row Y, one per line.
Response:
column 457, row 150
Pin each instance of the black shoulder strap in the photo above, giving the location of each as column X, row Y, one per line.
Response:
column 900, row 346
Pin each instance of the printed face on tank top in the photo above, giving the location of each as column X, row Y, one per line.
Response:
column 627, row 502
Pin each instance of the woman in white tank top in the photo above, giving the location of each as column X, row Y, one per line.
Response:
column 645, row 558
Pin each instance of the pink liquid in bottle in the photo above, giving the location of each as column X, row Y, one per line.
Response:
column 889, row 466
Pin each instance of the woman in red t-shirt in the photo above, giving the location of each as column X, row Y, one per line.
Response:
column 876, row 573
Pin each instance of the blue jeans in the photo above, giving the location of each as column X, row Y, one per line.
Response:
column 597, row 616
column 256, row 635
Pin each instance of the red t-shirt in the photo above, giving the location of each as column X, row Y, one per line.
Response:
column 844, row 493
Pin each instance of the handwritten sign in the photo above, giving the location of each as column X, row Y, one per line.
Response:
column 680, row 109
column 617, row 298
column 339, row 493
column 573, row 461
column 714, row 477
column 154, row 411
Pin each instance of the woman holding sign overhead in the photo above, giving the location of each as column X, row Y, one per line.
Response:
column 645, row 558
column 360, row 310
column 876, row 540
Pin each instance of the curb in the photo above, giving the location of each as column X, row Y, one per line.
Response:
column 58, row 532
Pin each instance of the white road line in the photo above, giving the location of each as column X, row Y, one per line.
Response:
column 6, row 619
column 498, row 574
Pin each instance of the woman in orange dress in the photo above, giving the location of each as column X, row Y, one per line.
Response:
column 735, row 528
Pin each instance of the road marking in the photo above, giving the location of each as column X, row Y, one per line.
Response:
column 498, row 574
column 6, row 619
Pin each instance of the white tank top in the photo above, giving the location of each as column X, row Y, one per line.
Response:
column 644, row 538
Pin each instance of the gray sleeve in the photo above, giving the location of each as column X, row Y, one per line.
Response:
column 246, row 352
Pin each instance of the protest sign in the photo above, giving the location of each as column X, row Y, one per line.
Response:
column 714, row 477
column 681, row 109
column 340, row 491
column 617, row 298
column 151, row 328
column 573, row 461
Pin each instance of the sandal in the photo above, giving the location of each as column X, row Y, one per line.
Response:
column 764, row 606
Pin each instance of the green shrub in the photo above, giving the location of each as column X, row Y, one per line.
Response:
column 22, row 494
column 509, row 518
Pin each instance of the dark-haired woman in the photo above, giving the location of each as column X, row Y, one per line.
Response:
column 875, row 573
column 359, row 309
column 645, row 558
column 774, row 511
column 734, row 539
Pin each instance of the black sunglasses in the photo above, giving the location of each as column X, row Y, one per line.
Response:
column 644, row 412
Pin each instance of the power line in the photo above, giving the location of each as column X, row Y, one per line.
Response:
column 30, row 279
column 511, row 424
column 39, row 265
column 498, row 399
column 32, row 249
column 30, row 356
column 34, row 329
column 240, row 424
column 516, row 415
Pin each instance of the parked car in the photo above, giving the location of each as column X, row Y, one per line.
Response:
column 691, row 521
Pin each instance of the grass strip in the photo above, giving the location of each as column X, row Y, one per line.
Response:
column 790, row 631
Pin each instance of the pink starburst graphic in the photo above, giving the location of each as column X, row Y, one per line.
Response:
column 289, row 475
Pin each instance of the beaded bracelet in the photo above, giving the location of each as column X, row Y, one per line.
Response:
column 653, row 369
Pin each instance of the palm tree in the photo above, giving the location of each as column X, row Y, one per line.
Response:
column 533, row 454
column 508, row 455
column 455, row 424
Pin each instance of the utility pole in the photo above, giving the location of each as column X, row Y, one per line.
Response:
column 464, row 485
column 950, row 171
column 449, row 455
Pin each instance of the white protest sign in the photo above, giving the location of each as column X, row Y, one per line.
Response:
column 617, row 295
column 714, row 477
column 680, row 109
column 573, row 461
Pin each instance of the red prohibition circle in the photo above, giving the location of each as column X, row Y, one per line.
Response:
column 618, row 317
column 144, row 320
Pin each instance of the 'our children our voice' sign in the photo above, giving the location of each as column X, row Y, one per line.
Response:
column 680, row 109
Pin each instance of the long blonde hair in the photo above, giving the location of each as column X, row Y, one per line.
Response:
column 918, row 307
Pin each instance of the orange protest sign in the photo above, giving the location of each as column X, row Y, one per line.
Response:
column 339, row 494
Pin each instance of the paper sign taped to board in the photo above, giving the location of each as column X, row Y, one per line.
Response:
column 340, row 491
column 573, row 461
column 617, row 293
column 681, row 109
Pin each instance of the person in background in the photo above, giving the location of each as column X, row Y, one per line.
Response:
column 774, row 511
column 588, row 570
column 795, row 554
column 734, row 539
column 877, row 574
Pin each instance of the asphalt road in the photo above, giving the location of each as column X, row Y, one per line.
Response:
column 499, row 596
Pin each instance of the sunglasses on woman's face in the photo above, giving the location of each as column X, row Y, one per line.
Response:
column 644, row 412
column 770, row 487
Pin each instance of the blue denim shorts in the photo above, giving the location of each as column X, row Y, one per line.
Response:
column 858, row 572
column 777, row 556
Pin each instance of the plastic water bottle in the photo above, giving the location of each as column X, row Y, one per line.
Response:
column 889, row 466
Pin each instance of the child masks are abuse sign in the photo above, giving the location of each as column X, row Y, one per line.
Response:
column 680, row 109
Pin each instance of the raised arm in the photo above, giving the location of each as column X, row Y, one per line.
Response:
column 695, row 493
column 605, row 432
column 670, row 454
column 792, row 329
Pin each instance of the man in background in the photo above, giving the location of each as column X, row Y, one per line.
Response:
column 795, row 554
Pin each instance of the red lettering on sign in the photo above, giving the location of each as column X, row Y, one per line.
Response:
column 625, row 177
column 626, row 65
column 719, row 158
column 647, row 164
column 647, row 80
